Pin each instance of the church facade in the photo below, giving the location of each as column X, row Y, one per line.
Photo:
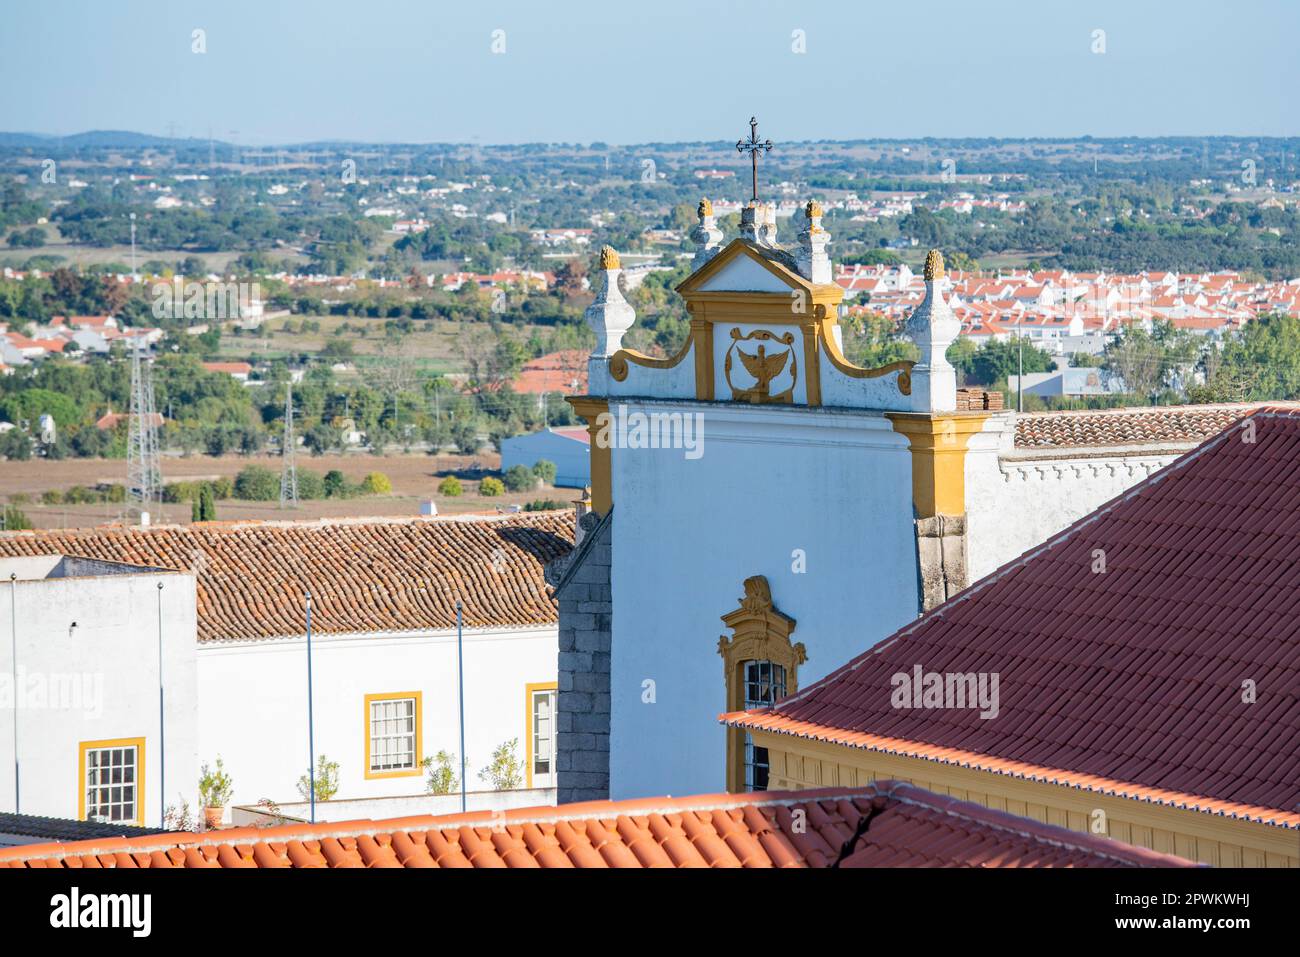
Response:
column 763, row 510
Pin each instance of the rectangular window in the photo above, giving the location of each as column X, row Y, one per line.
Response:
column 543, row 731
column 764, row 685
column 393, row 734
column 112, row 779
column 540, row 734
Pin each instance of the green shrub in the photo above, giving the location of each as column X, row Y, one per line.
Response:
column 491, row 487
column 544, row 469
column 51, row 496
column 450, row 487
column 519, row 478
column 223, row 488
column 327, row 780
column 442, row 778
column 12, row 518
column 544, row 505
column 376, row 483
column 335, row 484
column 310, row 485
column 257, row 484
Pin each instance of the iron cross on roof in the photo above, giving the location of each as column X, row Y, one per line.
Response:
column 753, row 147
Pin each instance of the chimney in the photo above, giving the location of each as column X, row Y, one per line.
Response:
column 706, row 235
column 610, row 317
column 812, row 259
column 933, row 328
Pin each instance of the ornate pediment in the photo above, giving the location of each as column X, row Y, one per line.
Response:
column 760, row 632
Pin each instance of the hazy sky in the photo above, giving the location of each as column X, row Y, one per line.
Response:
column 649, row 70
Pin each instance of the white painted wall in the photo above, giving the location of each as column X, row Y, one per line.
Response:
column 834, row 483
column 111, row 656
column 253, row 702
column 406, row 805
column 1017, row 500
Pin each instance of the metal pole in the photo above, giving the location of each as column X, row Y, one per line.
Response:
column 13, row 637
column 460, row 696
column 162, row 724
column 1020, row 378
column 311, row 729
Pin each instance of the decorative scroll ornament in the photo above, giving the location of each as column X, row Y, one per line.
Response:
column 763, row 367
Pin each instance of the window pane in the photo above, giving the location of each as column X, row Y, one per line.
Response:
column 392, row 734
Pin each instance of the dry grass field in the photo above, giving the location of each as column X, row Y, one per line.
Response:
column 414, row 477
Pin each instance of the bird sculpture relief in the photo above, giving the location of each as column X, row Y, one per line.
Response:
column 763, row 367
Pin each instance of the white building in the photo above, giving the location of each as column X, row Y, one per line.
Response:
column 98, row 687
column 384, row 666
column 759, row 485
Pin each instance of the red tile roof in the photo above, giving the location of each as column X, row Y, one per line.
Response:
column 909, row 827
column 564, row 371
column 365, row 575
column 1128, row 682
column 1164, row 425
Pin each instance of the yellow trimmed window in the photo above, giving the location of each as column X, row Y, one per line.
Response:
column 394, row 742
column 111, row 776
column 539, row 734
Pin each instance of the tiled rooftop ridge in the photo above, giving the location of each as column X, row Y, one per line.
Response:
column 808, row 829
column 1185, row 425
column 365, row 575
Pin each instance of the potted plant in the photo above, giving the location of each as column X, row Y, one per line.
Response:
column 215, row 788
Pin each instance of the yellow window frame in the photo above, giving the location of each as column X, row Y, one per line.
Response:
column 84, row 746
column 419, row 734
column 529, row 691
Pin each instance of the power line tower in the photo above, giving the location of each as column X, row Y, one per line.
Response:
column 143, row 465
column 288, row 469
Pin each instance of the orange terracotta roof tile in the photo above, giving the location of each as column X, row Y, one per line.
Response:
column 1175, row 424
column 906, row 827
column 365, row 575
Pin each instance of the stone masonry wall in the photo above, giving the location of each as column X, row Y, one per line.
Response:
column 583, row 709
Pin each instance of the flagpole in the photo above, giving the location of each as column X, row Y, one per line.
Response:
column 460, row 696
column 311, row 729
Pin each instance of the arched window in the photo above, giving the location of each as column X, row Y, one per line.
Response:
column 760, row 665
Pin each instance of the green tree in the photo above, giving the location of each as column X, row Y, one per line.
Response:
column 545, row 470
column 376, row 483
column 491, row 487
column 520, row 478
column 450, row 487
column 257, row 484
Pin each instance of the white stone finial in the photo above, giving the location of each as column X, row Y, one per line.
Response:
column 933, row 328
column 749, row 222
column 812, row 259
column 767, row 224
column 758, row 223
column 706, row 235
column 610, row 317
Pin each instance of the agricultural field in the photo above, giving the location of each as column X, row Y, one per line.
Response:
column 414, row 478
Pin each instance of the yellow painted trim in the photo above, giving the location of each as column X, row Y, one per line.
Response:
column 844, row 366
column 419, row 735
column 733, row 250
column 702, row 335
column 799, row 763
column 529, row 691
column 618, row 362
column 759, row 632
column 590, row 409
column 84, row 746
column 938, row 446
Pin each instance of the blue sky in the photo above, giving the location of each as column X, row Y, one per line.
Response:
column 282, row 71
